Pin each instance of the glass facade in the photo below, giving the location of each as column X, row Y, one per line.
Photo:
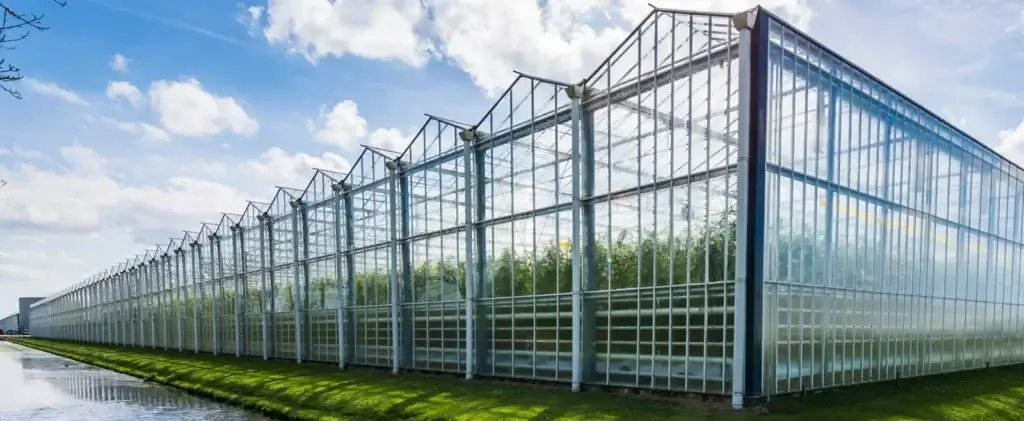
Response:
column 723, row 206
column 892, row 240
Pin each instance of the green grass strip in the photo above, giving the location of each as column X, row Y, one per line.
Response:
column 290, row 391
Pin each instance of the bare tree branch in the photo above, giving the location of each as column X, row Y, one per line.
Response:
column 16, row 26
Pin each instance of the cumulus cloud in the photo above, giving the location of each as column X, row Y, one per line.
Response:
column 185, row 108
column 390, row 139
column 126, row 91
column 377, row 29
column 119, row 62
column 1011, row 143
column 54, row 90
column 342, row 125
column 146, row 130
column 284, row 168
column 563, row 39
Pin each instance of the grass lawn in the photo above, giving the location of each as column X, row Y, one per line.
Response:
column 322, row 392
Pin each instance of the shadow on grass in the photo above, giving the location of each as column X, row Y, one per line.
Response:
column 322, row 392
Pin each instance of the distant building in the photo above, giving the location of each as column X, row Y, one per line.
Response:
column 23, row 308
column 9, row 323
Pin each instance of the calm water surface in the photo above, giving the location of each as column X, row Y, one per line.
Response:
column 36, row 386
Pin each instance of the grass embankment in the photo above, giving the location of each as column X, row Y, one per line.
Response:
column 322, row 392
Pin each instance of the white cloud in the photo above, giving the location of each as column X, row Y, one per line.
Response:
column 1011, row 143
column 377, row 29
column 186, row 109
column 31, row 154
column 279, row 166
column 82, row 159
column 125, row 90
column 250, row 17
column 342, row 126
column 4, row 151
column 561, row 39
column 119, row 62
column 390, row 139
column 146, row 130
column 52, row 89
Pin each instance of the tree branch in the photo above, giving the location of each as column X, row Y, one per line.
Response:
column 15, row 27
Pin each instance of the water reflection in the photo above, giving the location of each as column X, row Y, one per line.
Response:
column 40, row 386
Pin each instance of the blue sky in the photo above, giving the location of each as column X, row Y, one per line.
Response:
column 211, row 107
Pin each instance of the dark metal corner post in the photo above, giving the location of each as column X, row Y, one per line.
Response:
column 747, row 349
column 406, row 322
column 583, row 255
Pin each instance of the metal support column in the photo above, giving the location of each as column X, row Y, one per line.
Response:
column 245, row 306
column 216, row 280
column 350, row 274
column 264, row 227
column 236, row 234
column 297, row 290
column 154, row 300
column 406, row 322
column 198, row 293
column 396, row 345
column 336, row 189
column 583, row 241
column 575, row 95
column 132, row 294
column 468, row 154
column 307, row 314
column 750, row 236
column 122, row 313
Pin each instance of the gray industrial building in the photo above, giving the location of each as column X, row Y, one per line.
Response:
column 24, row 304
column 9, row 323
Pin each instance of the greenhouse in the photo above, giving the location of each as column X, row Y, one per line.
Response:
column 724, row 206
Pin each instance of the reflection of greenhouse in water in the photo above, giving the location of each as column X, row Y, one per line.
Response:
column 724, row 206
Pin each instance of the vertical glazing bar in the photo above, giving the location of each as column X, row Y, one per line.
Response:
column 470, row 186
column 393, row 170
column 264, row 226
column 297, row 290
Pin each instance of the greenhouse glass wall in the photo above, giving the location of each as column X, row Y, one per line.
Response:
column 724, row 206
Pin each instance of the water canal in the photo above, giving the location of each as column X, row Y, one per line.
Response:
column 37, row 386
